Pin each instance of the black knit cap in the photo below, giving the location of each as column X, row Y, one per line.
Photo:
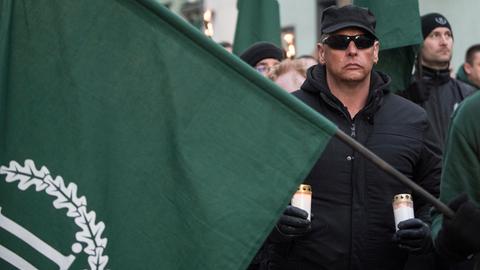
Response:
column 433, row 20
column 336, row 18
column 261, row 50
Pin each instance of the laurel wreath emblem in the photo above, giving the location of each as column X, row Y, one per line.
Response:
column 66, row 197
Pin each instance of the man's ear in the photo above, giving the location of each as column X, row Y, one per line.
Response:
column 468, row 68
column 376, row 50
column 321, row 53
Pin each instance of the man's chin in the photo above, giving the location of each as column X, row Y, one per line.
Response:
column 353, row 80
column 445, row 58
column 354, row 76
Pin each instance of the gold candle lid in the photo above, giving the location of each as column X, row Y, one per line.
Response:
column 304, row 188
column 404, row 197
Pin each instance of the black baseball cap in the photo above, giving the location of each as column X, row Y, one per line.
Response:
column 336, row 18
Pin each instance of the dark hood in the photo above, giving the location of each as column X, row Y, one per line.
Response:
column 462, row 76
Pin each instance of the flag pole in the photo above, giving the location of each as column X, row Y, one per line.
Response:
column 394, row 173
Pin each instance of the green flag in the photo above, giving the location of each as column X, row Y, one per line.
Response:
column 256, row 21
column 399, row 31
column 461, row 163
column 128, row 140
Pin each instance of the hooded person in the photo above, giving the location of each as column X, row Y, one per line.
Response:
column 469, row 72
column 432, row 86
column 352, row 225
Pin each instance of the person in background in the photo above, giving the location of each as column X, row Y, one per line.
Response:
column 457, row 239
column 291, row 73
column 307, row 60
column 469, row 72
column 263, row 56
column 433, row 88
column 352, row 223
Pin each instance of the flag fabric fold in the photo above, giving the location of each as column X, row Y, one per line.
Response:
column 131, row 141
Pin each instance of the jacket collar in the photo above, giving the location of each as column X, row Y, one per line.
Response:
column 438, row 76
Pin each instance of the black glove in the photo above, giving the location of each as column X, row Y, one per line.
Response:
column 293, row 223
column 459, row 237
column 413, row 235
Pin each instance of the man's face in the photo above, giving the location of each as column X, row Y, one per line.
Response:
column 265, row 65
column 473, row 70
column 437, row 48
column 351, row 64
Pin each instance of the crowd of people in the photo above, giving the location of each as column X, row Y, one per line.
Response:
column 427, row 132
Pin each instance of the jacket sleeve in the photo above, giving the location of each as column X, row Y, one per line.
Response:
column 427, row 173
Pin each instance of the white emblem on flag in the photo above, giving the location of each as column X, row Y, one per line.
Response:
column 65, row 197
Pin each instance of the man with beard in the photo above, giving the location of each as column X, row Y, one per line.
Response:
column 433, row 88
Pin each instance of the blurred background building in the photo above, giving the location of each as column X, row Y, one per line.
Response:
column 299, row 21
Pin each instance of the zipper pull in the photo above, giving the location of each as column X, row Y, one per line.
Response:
column 353, row 133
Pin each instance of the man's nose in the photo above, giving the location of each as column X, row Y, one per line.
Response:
column 352, row 49
column 444, row 39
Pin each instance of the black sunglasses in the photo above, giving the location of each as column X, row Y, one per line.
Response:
column 341, row 42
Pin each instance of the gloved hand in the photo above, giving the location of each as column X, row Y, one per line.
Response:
column 413, row 235
column 293, row 223
column 459, row 237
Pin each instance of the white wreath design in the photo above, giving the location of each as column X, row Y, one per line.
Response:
column 66, row 197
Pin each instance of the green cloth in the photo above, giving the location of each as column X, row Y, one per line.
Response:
column 399, row 31
column 398, row 64
column 128, row 140
column 256, row 21
column 462, row 76
column 461, row 165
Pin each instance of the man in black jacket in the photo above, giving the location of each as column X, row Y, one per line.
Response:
column 433, row 88
column 352, row 224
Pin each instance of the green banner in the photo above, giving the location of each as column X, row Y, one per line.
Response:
column 398, row 64
column 398, row 22
column 399, row 31
column 256, row 21
column 128, row 140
